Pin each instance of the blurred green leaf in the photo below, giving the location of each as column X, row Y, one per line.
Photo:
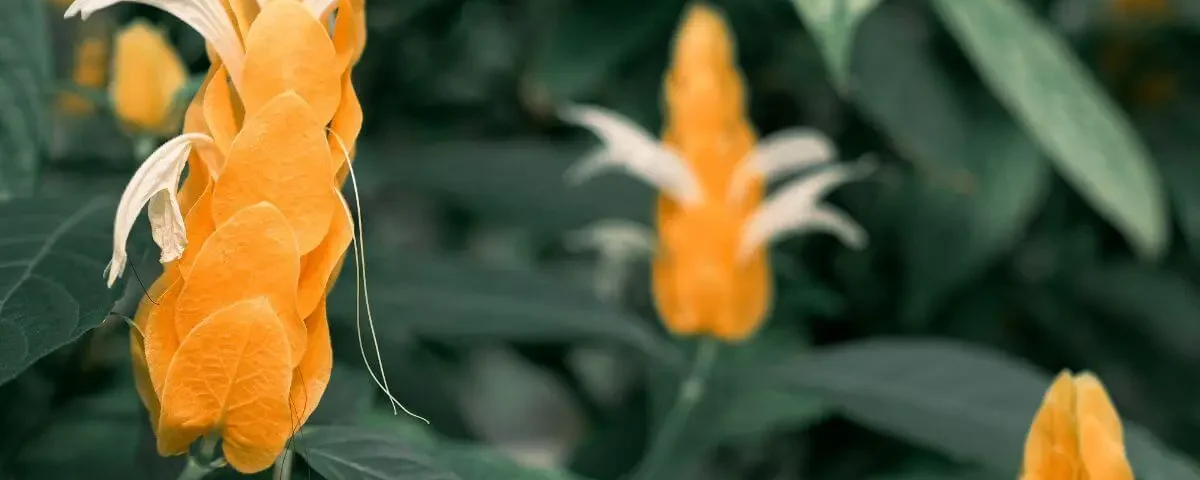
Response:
column 50, row 272
column 958, row 232
column 516, row 181
column 1156, row 303
column 93, row 438
column 1040, row 80
column 971, row 403
column 980, row 178
column 1171, row 136
column 466, row 461
column 26, row 85
column 351, row 453
column 591, row 38
column 834, row 23
column 736, row 404
column 454, row 300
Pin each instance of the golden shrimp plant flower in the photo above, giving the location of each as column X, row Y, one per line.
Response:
column 232, row 340
column 1076, row 434
column 90, row 71
column 710, row 269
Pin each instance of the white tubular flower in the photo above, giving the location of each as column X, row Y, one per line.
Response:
column 797, row 207
column 155, row 183
column 628, row 146
column 206, row 17
column 781, row 153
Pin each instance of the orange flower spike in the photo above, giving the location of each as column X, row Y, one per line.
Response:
column 147, row 75
column 710, row 270
column 1076, row 434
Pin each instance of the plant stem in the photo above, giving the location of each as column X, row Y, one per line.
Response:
column 199, row 466
column 283, row 465
column 691, row 391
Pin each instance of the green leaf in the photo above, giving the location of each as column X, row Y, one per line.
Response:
column 1035, row 75
column 26, row 83
column 516, row 182
column 50, row 275
column 591, row 39
column 93, row 437
column 352, row 453
column 980, row 178
column 454, row 300
column 466, row 461
column 959, row 232
column 1156, row 303
column 1171, row 136
column 736, row 404
column 834, row 23
column 971, row 403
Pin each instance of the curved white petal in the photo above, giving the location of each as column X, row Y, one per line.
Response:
column 797, row 208
column 206, row 17
column 156, row 182
column 614, row 237
column 783, row 152
column 319, row 7
column 628, row 146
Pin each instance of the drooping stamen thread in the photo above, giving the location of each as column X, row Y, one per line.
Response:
column 360, row 285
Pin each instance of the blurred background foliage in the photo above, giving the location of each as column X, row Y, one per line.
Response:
column 1038, row 209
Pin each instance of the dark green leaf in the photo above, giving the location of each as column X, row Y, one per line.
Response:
column 50, row 274
column 1045, row 86
column 958, row 232
column 834, row 23
column 1156, row 303
column 451, row 299
column 518, row 182
column 94, row 437
column 591, row 38
column 980, row 178
column 971, row 403
column 1171, row 137
column 467, row 462
column 26, row 81
column 352, row 453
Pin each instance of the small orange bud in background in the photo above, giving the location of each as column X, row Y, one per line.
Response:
column 147, row 76
column 1076, row 434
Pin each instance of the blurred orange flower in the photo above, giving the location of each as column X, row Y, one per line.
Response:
column 1076, row 435
column 711, row 274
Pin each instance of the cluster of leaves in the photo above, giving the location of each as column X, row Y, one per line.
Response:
column 1036, row 211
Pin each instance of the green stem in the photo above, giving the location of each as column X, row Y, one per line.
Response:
column 199, row 466
column 691, row 391
column 283, row 466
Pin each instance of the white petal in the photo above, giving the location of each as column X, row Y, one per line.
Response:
column 628, row 146
column 206, row 17
column 319, row 7
column 781, row 153
column 155, row 182
column 613, row 238
column 797, row 208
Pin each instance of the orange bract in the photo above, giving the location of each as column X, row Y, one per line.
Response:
column 1076, row 434
column 700, row 285
column 237, row 343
